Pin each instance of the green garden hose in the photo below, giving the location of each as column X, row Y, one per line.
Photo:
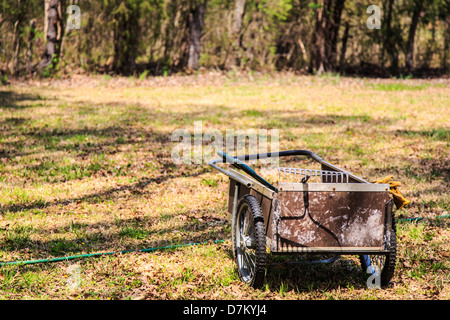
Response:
column 418, row 219
column 104, row 254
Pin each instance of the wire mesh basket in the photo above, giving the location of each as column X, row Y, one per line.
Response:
column 311, row 176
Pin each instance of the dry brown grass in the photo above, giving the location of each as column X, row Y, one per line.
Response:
column 85, row 167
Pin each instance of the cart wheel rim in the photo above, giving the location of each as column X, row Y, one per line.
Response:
column 249, row 242
column 245, row 244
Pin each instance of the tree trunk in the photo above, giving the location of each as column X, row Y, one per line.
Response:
column 303, row 49
column 318, row 43
column 333, row 27
column 54, row 34
column 17, row 38
column 446, row 53
column 328, row 20
column 343, row 49
column 31, row 37
column 409, row 58
column 126, row 37
column 386, row 31
column 236, row 28
column 196, row 23
column 16, row 47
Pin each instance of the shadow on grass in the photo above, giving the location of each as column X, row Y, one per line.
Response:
column 439, row 134
column 122, row 234
column 289, row 119
column 83, row 141
column 283, row 274
column 12, row 100
column 132, row 128
column 136, row 188
column 308, row 278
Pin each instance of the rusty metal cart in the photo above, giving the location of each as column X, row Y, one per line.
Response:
column 327, row 211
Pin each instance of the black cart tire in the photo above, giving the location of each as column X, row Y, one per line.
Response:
column 385, row 263
column 249, row 242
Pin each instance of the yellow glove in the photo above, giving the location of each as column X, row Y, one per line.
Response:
column 399, row 200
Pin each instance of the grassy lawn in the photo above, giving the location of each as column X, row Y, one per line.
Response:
column 85, row 167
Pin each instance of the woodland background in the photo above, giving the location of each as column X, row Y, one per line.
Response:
column 161, row 37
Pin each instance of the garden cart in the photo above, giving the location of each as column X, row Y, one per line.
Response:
column 327, row 212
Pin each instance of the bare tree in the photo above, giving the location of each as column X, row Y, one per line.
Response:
column 31, row 37
column 236, row 28
column 327, row 24
column 54, row 32
column 446, row 54
column 344, row 48
column 17, row 38
column 196, row 21
column 386, row 30
column 409, row 57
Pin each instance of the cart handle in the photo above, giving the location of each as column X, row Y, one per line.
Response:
column 307, row 153
column 237, row 163
column 281, row 154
